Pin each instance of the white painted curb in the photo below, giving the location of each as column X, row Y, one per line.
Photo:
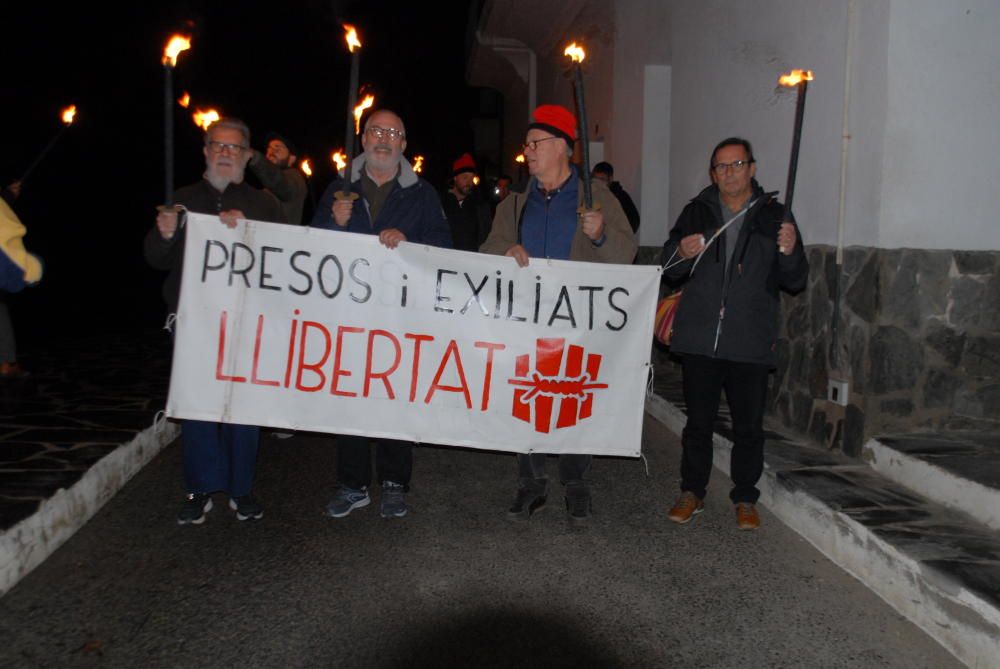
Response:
column 26, row 545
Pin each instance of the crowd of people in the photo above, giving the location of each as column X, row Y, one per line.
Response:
column 756, row 251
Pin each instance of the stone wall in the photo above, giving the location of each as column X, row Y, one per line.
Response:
column 917, row 338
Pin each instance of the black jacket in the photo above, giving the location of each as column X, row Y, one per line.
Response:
column 202, row 198
column 747, row 329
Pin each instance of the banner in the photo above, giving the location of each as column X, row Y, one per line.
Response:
column 306, row 329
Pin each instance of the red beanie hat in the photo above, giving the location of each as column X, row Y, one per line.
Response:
column 555, row 119
column 463, row 164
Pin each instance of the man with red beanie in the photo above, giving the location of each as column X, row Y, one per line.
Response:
column 543, row 222
column 468, row 216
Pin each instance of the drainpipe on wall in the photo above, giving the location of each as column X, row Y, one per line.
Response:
column 844, row 145
column 510, row 45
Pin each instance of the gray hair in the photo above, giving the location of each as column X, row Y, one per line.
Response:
column 232, row 123
column 386, row 111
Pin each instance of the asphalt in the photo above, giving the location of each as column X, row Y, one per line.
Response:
column 454, row 584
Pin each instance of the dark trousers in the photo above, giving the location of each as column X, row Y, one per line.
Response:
column 572, row 468
column 219, row 457
column 393, row 461
column 746, row 391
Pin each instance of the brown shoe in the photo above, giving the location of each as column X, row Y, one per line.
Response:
column 747, row 517
column 685, row 508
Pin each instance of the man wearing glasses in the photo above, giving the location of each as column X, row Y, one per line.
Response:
column 387, row 199
column 727, row 322
column 544, row 222
column 217, row 456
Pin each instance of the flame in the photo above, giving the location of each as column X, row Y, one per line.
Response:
column 519, row 158
column 176, row 44
column 360, row 109
column 68, row 114
column 339, row 159
column 575, row 52
column 205, row 118
column 418, row 164
column 185, row 100
column 475, row 180
column 306, row 167
column 351, row 35
column 795, row 77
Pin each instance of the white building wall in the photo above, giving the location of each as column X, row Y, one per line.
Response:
column 942, row 137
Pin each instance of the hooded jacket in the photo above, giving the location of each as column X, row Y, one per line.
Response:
column 412, row 207
column 736, row 317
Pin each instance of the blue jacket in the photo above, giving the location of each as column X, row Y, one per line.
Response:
column 413, row 208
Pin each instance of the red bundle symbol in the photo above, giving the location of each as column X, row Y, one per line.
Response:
column 540, row 388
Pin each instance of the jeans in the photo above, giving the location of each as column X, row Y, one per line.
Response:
column 572, row 468
column 393, row 461
column 746, row 391
column 219, row 457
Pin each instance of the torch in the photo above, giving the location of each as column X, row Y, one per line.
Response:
column 66, row 115
column 204, row 119
column 577, row 54
column 354, row 46
column 175, row 45
column 307, row 170
column 800, row 79
column 418, row 164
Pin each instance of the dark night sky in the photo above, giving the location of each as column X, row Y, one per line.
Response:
column 278, row 65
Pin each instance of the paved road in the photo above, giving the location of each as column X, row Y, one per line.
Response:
column 452, row 585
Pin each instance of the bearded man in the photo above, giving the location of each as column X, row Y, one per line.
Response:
column 218, row 457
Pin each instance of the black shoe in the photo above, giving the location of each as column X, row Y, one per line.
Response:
column 195, row 507
column 246, row 507
column 578, row 504
column 529, row 500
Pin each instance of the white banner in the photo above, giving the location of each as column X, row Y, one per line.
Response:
column 306, row 329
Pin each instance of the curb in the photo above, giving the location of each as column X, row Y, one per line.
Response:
column 960, row 620
column 28, row 543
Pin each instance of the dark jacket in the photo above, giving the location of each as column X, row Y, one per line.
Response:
column 412, row 207
column 628, row 206
column 202, row 198
column 748, row 328
column 288, row 184
column 469, row 220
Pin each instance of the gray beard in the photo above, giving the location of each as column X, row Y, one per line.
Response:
column 220, row 183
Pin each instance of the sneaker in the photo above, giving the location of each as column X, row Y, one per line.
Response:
column 246, row 507
column 747, row 517
column 196, row 505
column 393, row 503
column 578, row 503
column 685, row 508
column 346, row 500
column 529, row 499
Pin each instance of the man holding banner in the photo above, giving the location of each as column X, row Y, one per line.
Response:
column 727, row 322
column 217, row 456
column 398, row 206
column 549, row 220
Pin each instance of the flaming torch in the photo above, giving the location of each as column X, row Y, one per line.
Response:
column 801, row 79
column 307, row 169
column 577, row 54
column 418, row 164
column 203, row 119
column 66, row 115
column 338, row 159
column 354, row 46
column 175, row 45
column 185, row 100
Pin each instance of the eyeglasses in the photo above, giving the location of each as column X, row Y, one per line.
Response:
column 219, row 147
column 382, row 133
column 533, row 144
column 736, row 166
